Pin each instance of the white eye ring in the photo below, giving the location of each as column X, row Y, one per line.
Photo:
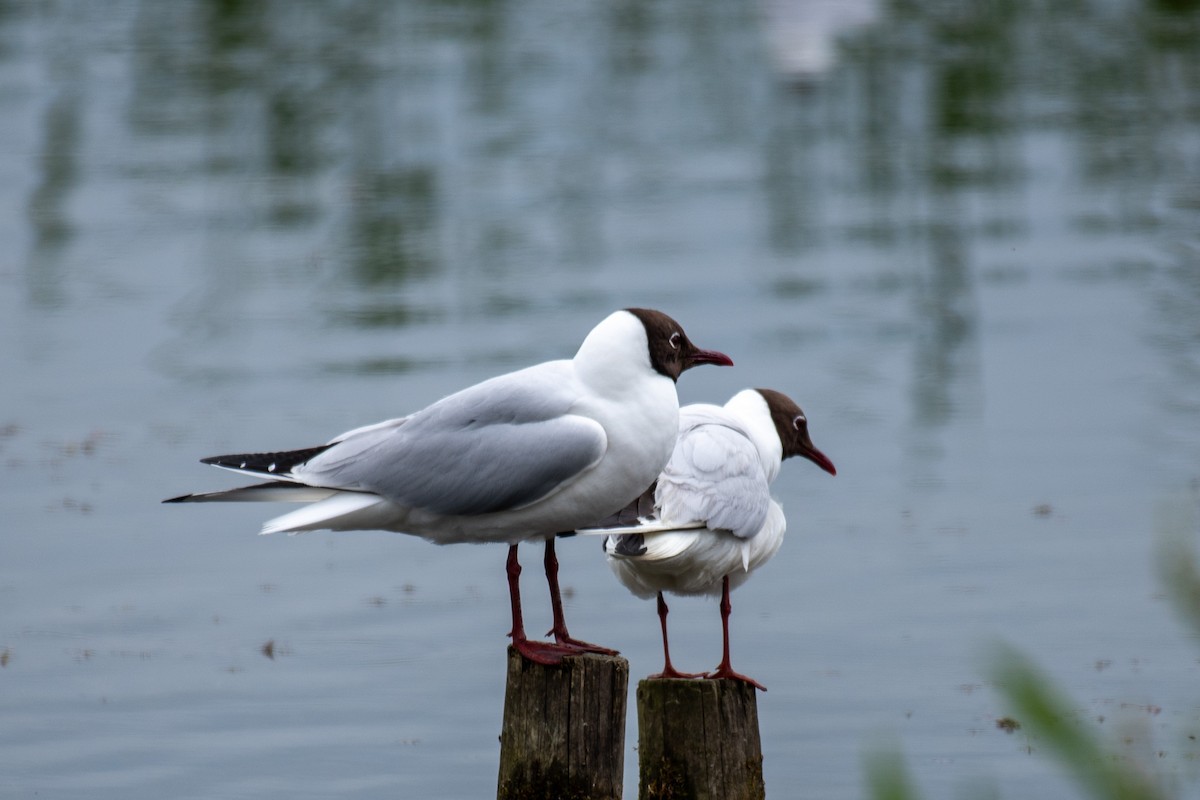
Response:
column 674, row 340
column 799, row 420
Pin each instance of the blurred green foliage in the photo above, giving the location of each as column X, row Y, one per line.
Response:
column 1047, row 715
column 888, row 776
column 1177, row 565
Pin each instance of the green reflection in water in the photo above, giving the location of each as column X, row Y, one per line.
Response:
column 392, row 225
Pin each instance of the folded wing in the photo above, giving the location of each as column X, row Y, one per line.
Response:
column 715, row 476
column 497, row 446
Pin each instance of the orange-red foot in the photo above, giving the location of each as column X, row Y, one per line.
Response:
column 726, row 672
column 564, row 640
column 543, row 652
column 671, row 672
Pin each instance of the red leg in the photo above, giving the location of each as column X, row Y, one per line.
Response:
column 724, row 670
column 538, row 652
column 668, row 670
column 560, row 624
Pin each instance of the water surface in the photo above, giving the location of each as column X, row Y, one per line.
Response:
column 962, row 235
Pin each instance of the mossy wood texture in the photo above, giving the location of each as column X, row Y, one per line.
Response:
column 563, row 735
column 698, row 740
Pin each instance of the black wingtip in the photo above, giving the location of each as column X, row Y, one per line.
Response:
column 276, row 463
column 630, row 545
column 183, row 498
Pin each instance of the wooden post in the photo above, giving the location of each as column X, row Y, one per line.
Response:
column 698, row 740
column 563, row 734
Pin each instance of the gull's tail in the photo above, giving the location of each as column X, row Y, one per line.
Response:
column 327, row 509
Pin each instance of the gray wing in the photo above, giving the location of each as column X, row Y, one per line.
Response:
column 715, row 476
column 496, row 446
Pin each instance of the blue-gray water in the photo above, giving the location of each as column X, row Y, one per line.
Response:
column 962, row 234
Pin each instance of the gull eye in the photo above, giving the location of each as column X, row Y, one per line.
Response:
column 674, row 340
column 799, row 422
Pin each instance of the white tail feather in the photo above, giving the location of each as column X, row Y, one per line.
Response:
column 645, row 525
column 665, row 546
column 322, row 515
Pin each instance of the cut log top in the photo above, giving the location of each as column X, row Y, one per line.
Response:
column 699, row 740
column 563, row 735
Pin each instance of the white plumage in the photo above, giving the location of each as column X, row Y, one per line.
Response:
column 712, row 521
column 521, row 456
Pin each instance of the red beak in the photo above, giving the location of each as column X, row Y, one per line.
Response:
column 699, row 356
column 820, row 459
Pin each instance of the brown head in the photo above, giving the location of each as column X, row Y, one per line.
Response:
column 792, row 426
column 671, row 351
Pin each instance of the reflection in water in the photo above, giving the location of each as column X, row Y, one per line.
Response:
column 392, row 226
column 47, row 205
column 945, row 314
column 500, row 146
column 976, row 62
column 59, row 169
column 231, row 25
column 58, row 165
column 954, row 106
column 349, row 189
column 802, row 36
column 1177, row 329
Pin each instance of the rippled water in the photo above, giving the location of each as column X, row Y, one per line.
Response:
column 962, row 235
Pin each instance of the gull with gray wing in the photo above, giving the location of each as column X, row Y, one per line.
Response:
column 521, row 456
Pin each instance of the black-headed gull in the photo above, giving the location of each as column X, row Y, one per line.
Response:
column 709, row 520
column 521, row 456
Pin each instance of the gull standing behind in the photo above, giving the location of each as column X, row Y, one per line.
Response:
column 709, row 520
column 521, row 456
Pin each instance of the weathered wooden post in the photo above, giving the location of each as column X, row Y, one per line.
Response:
column 698, row 740
column 563, row 735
